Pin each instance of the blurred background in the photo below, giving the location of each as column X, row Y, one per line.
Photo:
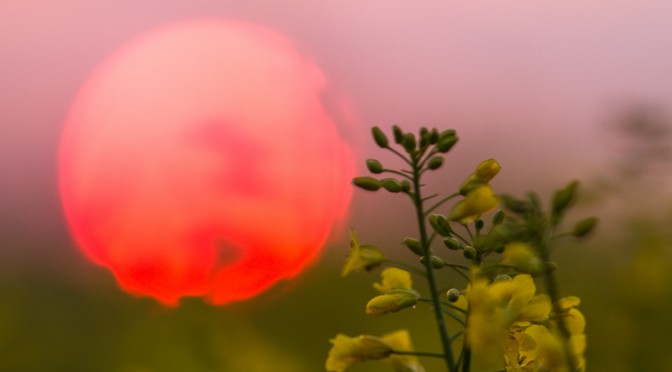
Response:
column 554, row 92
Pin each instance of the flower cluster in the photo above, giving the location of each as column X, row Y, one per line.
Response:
column 499, row 308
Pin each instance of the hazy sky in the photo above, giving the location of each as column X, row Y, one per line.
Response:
column 527, row 82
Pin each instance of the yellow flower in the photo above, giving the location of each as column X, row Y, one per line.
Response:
column 394, row 278
column 392, row 301
column 535, row 347
column 523, row 258
column 347, row 351
column 494, row 307
column 401, row 341
column 361, row 257
column 478, row 201
column 484, row 172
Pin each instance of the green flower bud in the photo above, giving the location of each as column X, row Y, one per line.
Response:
column 415, row 246
column 366, row 183
column 424, row 137
column 515, row 205
column 374, row 166
column 470, row 252
column 435, row 261
column 499, row 249
column 435, row 162
column 452, row 243
column 479, row 224
column 446, row 143
column 392, row 301
column 447, row 133
column 563, row 198
column 409, row 142
column 391, row 185
column 584, row 227
column 440, row 224
column 433, row 136
column 498, row 217
column 405, row 186
column 379, row 137
column 453, row 294
column 535, row 200
column 398, row 134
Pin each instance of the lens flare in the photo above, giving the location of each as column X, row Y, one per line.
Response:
column 199, row 160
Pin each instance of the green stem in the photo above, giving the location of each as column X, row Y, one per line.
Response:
column 406, row 176
column 440, row 202
column 436, row 301
column 553, row 291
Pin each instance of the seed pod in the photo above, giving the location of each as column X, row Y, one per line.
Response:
column 564, row 197
column 366, row 183
column 374, row 166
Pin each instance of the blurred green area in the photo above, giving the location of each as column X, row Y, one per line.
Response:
column 71, row 316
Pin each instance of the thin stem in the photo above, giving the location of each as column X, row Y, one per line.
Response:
column 440, row 202
column 456, row 336
column 405, row 266
column 418, row 353
column 471, row 236
column 402, row 156
column 553, row 290
column 402, row 174
column 438, row 313
column 465, row 241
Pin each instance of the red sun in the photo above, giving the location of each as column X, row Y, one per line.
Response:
column 199, row 160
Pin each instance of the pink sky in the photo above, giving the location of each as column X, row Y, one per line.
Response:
column 530, row 84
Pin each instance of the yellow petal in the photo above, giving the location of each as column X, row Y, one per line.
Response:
column 393, row 278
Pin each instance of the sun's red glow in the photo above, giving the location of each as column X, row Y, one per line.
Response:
column 199, row 160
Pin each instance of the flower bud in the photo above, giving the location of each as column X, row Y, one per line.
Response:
column 453, row 294
column 440, row 224
column 392, row 301
column 435, row 162
column 444, row 144
column 498, row 217
column 433, row 136
column 415, row 246
column 405, row 186
column 501, row 278
column 366, row 183
column 409, row 142
column 479, row 224
column 391, row 185
column 435, row 261
column 562, row 199
column 374, row 166
column 424, row 137
column 515, row 205
column 398, row 134
column 379, row 137
column 584, row 227
column 484, row 173
column 452, row 243
column 470, row 252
